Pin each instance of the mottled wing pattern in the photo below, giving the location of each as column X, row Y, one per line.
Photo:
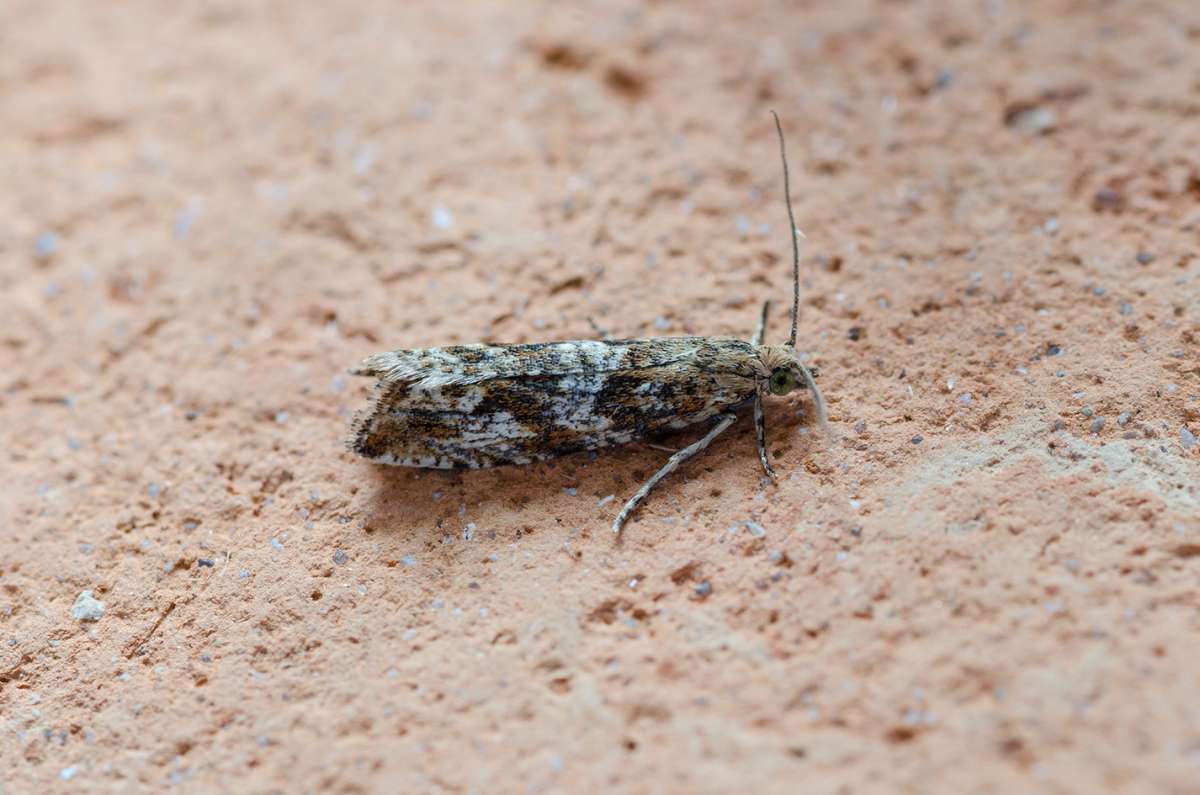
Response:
column 486, row 405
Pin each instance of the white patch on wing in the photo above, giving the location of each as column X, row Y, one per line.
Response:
column 575, row 408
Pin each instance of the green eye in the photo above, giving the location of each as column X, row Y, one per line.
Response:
column 782, row 381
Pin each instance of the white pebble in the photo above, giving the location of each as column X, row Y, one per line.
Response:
column 87, row 608
column 441, row 217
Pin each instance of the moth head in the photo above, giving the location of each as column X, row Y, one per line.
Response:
column 783, row 373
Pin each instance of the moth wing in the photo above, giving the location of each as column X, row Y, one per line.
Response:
column 480, row 405
column 473, row 364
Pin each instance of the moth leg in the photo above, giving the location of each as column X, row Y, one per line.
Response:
column 762, row 325
column 603, row 334
column 672, row 464
column 760, row 432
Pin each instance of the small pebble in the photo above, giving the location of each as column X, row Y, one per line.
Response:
column 340, row 557
column 965, row 398
column 917, row 439
column 275, row 542
column 1086, row 411
column 1053, row 350
column 185, row 220
column 704, row 589
column 1097, row 425
column 855, row 334
column 364, row 158
column 1186, row 438
column 441, row 218
column 87, row 608
column 205, row 562
column 1123, row 418
column 1126, row 308
column 46, row 245
column 1145, row 257
column 68, row 773
column 860, row 426
column 281, row 417
column 1035, row 120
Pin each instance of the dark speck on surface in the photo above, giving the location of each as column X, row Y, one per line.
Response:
column 917, row 439
column 1108, row 199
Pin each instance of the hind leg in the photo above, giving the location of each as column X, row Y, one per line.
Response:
column 672, row 464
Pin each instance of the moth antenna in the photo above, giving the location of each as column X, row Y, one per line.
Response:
column 787, row 197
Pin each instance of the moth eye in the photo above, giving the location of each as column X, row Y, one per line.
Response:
column 782, row 382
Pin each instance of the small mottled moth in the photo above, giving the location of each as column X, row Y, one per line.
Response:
column 473, row 406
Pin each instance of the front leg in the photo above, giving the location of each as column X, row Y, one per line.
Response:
column 672, row 464
column 760, row 426
column 760, row 432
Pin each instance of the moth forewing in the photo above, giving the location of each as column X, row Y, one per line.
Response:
column 486, row 405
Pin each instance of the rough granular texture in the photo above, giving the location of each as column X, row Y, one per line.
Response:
column 983, row 576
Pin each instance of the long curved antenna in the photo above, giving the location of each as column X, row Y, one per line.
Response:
column 787, row 196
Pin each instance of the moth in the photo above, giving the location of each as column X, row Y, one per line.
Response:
column 483, row 405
